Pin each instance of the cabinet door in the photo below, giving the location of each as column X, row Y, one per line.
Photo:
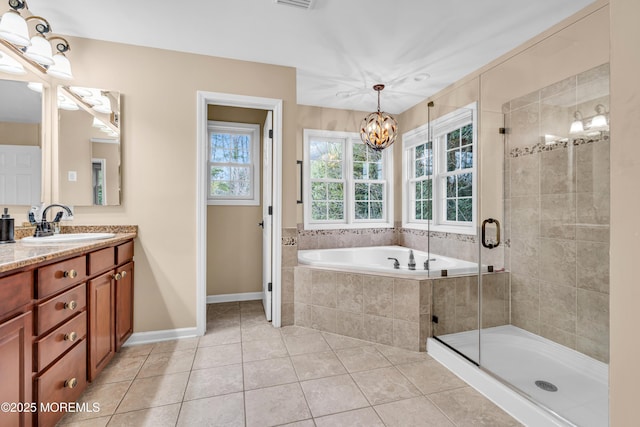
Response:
column 124, row 303
column 101, row 298
column 15, row 368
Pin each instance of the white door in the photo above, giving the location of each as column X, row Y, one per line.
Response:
column 267, row 173
column 20, row 175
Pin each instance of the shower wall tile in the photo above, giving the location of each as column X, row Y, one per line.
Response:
column 593, row 314
column 558, row 215
column 597, row 73
column 557, row 263
column 525, row 175
column 554, row 117
column 568, row 339
column 593, row 208
column 289, row 256
column 565, row 85
column 558, row 306
column 593, row 266
column 495, row 303
column 526, row 315
column 525, row 216
column 557, row 171
column 378, row 296
column 525, row 100
column 598, row 348
column 593, row 233
column 525, row 125
column 405, row 295
column 524, row 256
column 593, row 168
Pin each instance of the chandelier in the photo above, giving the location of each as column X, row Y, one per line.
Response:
column 378, row 130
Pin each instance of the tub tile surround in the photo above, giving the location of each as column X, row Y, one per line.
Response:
column 557, row 215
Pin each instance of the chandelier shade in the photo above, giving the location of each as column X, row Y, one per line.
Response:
column 378, row 130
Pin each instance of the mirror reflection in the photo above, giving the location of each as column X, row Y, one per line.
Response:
column 20, row 143
column 88, row 146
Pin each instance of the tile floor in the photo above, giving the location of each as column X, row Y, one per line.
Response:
column 244, row 372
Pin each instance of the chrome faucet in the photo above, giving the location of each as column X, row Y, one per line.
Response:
column 44, row 228
column 396, row 263
column 412, row 260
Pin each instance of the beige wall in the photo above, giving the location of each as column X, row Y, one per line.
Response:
column 234, row 240
column 158, row 90
column 625, row 205
column 19, row 133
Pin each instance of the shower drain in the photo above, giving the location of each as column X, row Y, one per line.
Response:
column 546, row 385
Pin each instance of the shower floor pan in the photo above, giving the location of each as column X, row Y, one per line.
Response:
column 566, row 382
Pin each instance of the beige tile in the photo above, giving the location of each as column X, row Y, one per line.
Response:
column 263, row 331
column 430, row 376
column 175, row 345
column 350, row 324
column 221, row 355
column 566, row 85
column 593, row 314
column 593, row 168
column 323, row 318
column 214, row 381
column 399, row 356
column 289, row 256
column 227, row 410
column 525, row 175
column 362, row 358
column 323, row 290
column 154, row 391
column 384, row 385
column 263, row 349
column 267, row 373
column 302, row 285
column 338, row 342
column 593, row 266
column 415, row 412
column 425, row 296
column 524, row 256
column 317, row 365
column 406, row 300
column 161, row 416
column 91, row 422
column 466, row 407
column 136, row 350
column 349, row 292
column 167, row 363
column 252, row 319
column 378, row 296
column 296, row 330
column 378, row 329
column 308, row 343
column 276, row 405
column 406, row 335
column 557, row 171
column 525, row 216
column 107, row 395
column 560, row 336
column 558, row 306
column 304, row 423
column 593, row 208
column 121, row 368
column 223, row 307
column 597, row 348
column 287, row 314
column 558, row 261
column 365, row 417
column 219, row 336
column 302, row 315
column 288, row 289
column 332, row 395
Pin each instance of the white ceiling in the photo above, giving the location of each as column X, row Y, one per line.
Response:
column 337, row 46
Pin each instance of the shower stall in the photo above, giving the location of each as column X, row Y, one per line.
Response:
column 540, row 328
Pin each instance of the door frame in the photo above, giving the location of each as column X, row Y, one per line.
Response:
column 205, row 99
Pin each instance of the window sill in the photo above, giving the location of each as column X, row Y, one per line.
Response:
column 231, row 202
column 344, row 226
column 471, row 230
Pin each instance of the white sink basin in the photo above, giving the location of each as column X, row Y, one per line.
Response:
column 67, row 238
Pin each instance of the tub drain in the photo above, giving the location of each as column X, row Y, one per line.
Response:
column 546, row 385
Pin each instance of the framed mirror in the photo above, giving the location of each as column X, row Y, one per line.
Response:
column 89, row 152
column 21, row 143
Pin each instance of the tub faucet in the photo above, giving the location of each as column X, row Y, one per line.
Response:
column 44, row 228
column 396, row 263
column 412, row 260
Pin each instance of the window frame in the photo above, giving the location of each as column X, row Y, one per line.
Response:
column 420, row 135
column 349, row 221
column 254, row 199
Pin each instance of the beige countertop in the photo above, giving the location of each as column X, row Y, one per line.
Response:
column 19, row 254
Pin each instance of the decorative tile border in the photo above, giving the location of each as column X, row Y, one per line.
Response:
column 289, row 241
column 439, row 235
column 541, row 147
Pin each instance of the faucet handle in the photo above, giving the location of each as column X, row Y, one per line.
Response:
column 396, row 263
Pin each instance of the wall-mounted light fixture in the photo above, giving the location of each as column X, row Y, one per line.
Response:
column 14, row 34
column 378, row 130
column 590, row 125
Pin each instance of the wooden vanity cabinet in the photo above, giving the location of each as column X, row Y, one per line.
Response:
column 16, row 340
column 124, row 303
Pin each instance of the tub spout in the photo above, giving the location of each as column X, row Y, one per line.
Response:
column 412, row 260
column 396, row 263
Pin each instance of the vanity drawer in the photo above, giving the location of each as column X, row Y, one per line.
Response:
column 60, row 275
column 60, row 308
column 60, row 340
column 101, row 260
column 64, row 381
column 124, row 252
column 15, row 291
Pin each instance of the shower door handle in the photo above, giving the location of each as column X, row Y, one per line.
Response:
column 484, row 237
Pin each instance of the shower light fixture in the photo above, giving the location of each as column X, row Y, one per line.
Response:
column 37, row 50
column 378, row 130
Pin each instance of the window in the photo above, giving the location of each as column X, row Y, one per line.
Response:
column 440, row 175
column 346, row 183
column 233, row 164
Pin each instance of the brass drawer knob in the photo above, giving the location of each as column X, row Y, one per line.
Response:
column 124, row 274
column 71, row 305
column 117, row 276
column 72, row 274
column 71, row 383
column 71, row 336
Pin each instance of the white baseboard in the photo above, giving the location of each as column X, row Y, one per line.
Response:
column 247, row 296
column 157, row 336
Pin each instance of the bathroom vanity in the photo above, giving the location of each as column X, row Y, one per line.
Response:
column 65, row 310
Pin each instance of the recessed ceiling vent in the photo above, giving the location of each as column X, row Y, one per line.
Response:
column 302, row 4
